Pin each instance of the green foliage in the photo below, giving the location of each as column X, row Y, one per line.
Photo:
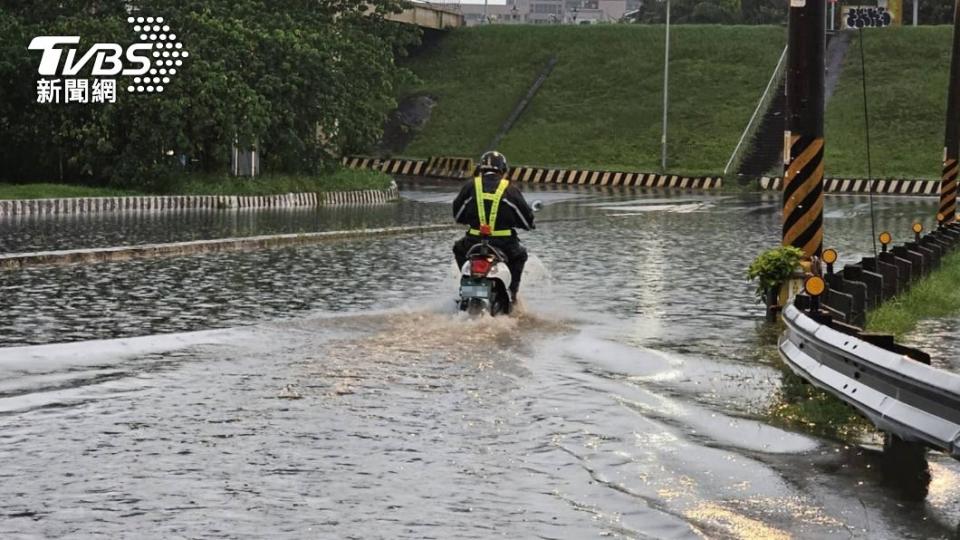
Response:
column 694, row 12
column 303, row 80
column 773, row 267
column 930, row 12
column 57, row 191
column 601, row 106
column 765, row 12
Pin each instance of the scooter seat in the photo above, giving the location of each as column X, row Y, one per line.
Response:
column 480, row 250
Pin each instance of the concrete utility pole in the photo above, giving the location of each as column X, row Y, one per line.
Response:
column 916, row 9
column 666, row 93
column 803, row 139
column 951, row 140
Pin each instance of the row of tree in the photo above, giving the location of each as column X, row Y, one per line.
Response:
column 304, row 80
column 769, row 11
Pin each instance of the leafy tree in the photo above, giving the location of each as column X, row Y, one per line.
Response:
column 303, row 80
column 690, row 12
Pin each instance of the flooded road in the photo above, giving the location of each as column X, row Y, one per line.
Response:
column 331, row 391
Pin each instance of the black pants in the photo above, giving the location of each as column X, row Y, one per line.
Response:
column 514, row 251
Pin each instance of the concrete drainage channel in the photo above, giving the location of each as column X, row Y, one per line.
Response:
column 99, row 205
column 894, row 386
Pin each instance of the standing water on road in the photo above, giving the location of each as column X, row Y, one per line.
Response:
column 332, row 391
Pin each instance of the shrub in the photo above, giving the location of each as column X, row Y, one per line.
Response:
column 773, row 267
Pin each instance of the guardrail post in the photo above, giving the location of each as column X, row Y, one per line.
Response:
column 888, row 271
column 872, row 284
column 905, row 465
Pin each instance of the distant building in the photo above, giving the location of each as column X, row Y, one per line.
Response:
column 543, row 11
column 594, row 11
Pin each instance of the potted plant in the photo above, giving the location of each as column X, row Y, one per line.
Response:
column 771, row 269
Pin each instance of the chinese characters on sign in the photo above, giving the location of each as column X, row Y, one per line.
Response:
column 76, row 91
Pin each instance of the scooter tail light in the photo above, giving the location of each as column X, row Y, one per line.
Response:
column 479, row 266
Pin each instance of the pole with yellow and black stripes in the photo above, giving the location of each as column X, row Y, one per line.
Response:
column 951, row 141
column 803, row 138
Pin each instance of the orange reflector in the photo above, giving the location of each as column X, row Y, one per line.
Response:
column 829, row 256
column 918, row 227
column 885, row 238
column 814, row 285
column 939, row 218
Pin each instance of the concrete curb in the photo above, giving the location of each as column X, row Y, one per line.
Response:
column 860, row 185
column 460, row 168
column 16, row 261
column 100, row 205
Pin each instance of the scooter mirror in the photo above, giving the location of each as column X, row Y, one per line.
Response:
column 537, row 205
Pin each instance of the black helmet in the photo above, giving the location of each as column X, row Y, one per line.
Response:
column 493, row 161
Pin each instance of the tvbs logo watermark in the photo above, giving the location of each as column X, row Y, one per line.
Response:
column 151, row 62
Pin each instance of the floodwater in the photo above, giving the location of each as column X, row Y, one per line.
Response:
column 41, row 233
column 331, row 391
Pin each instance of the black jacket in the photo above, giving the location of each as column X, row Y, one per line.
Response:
column 514, row 212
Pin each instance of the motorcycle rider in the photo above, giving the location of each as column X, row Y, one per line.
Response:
column 504, row 211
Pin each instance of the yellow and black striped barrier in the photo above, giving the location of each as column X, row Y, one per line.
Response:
column 860, row 185
column 437, row 167
column 948, row 191
column 406, row 167
column 449, row 167
column 461, row 168
column 538, row 175
column 803, row 196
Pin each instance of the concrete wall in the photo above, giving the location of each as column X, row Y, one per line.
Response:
column 428, row 16
column 97, row 205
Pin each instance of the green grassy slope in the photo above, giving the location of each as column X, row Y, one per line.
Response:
column 907, row 91
column 601, row 106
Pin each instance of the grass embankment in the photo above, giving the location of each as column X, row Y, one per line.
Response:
column 907, row 70
column 49, row 191
column 937, row 295
column 341, row 180
column 601, row 107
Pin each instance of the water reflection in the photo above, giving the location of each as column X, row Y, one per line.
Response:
column 56, row 232
column 629, row 400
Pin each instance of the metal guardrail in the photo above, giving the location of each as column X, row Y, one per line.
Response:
column 892, row 385
column 899, row 394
